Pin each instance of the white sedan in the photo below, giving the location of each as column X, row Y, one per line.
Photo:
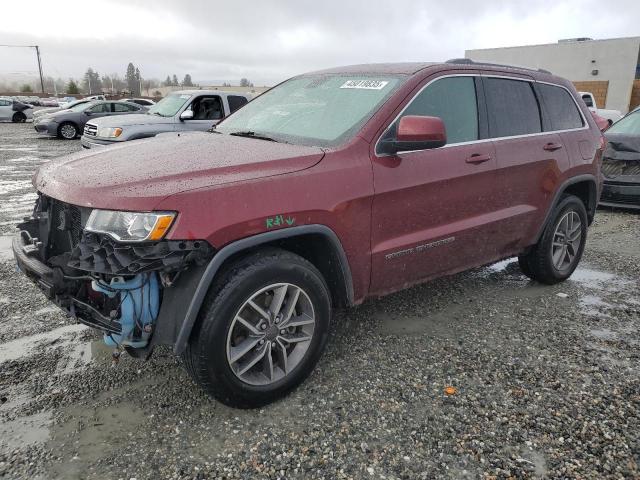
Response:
column 15, row 111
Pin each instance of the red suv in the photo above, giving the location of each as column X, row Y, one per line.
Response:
column 234, row 246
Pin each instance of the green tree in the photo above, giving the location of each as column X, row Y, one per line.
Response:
column 167, row 82
column 174, row 81
column 187, row 81
column 245, row 83
column 72, row 87
column 26, row 88
column 91, row 82
column 138, row 89
column 130, row 79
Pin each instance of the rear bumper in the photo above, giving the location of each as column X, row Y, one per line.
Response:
column 621, row 194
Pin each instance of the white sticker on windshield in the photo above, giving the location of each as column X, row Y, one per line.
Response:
column 365, row 84
column 184, row 96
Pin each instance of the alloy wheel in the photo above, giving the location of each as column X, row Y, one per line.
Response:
column 566, row 241
column 270, row 334
column 68, row 131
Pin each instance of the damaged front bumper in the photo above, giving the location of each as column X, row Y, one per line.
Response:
column 136, row 294
column 621, row 186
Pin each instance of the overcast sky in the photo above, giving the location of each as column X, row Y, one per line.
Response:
column 268, row 41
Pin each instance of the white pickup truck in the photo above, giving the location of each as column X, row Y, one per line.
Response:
column 610, row 115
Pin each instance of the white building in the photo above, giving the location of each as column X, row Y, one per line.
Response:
column 586, row 62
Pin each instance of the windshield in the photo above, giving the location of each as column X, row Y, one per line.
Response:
column 629, row 125
column 318, row 110
column 169, row 105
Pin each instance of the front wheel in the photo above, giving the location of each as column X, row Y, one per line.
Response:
column 558, row 252
column 19, row 117
column 262, row 329
column 68, row 131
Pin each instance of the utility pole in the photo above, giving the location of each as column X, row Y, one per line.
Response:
column 37, row 56
column 40, row 67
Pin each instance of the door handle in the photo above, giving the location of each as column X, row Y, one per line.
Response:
column 477, row 158
column 552, row 147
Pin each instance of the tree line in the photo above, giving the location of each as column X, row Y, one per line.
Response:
column 132, row 83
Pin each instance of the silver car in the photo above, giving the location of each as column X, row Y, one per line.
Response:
column 68, row 124
column 179, row 111
column 47, row 111
column 14, row 110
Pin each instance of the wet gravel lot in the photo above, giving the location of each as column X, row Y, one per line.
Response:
column 546, row 379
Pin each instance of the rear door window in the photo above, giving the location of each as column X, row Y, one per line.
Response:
column 452, row 99
column 123, row 107
column 101, row 108
column 235, row 102
column 512, row 107
column 560, row 108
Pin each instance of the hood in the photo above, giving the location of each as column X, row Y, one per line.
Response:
column 58, row 112
column 622, row 147
column 46, row 111
column 138, row 174
column 132, row 119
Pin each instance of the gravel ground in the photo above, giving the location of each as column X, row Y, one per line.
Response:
column 546, row 379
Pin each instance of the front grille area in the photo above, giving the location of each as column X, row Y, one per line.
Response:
column 90, row 129
column 615, row 168
column 65, row 226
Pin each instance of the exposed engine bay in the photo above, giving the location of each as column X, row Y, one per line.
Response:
column 116, row 287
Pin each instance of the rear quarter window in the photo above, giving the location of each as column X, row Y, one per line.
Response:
column 560, row 108
column 512, row 107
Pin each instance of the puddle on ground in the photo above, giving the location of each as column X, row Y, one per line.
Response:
column 26, row 346
column 90, row 434
column 604, row 334
column 598, row 280
column 593, row 305
column 6, row 254
column 25, row 431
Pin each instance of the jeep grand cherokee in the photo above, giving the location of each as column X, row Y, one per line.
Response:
column 234, row 246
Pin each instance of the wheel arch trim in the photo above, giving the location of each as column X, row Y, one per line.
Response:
column 244, row 244
column 591, row 179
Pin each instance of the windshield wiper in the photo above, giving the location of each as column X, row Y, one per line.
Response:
column 258, row 136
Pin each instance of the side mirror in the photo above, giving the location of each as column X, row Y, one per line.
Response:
column 416, row 132
column 186, row 115
column 87, row 113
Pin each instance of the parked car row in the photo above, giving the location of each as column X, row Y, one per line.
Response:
column 68, row 123
column 177, row 112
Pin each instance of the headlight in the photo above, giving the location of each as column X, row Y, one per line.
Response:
column 109, row 132
column 130, row 226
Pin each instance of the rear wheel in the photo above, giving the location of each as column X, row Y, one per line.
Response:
column 68, row 131
column 19, row 117
column 558, row 252
column 262, row 329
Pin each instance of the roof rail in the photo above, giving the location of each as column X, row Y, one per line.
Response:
column 468, row 61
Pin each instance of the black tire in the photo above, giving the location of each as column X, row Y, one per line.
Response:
column 523, row 262
column 206, row 355
column 538, row 263
column 19, row 117
column 62, row 129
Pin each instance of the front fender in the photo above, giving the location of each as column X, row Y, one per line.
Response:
column 244, row 244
